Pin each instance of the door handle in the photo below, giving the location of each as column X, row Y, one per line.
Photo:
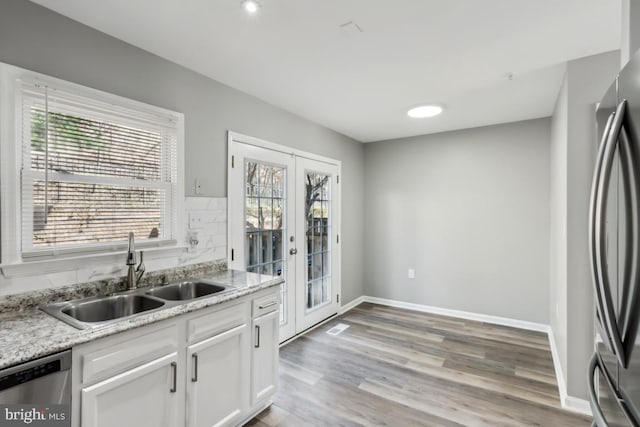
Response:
column 597, row 232
column 631, row 276
column 194, row 377
column 598, row 416
column 174, row 368
column 293, row 251
column 595, row 272
column 257, row 344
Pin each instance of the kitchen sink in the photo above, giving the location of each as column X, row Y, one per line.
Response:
column 109, row 308
column 96, row 311
column 104, row 310
column 187, row 290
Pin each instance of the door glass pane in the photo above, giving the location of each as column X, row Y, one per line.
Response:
column 264, row 223
column 318, row 247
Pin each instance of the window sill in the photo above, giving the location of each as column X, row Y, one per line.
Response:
column 34, row 268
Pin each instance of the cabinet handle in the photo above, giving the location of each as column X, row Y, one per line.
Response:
column 257, row 344
column 194, row 377
column 174, row 368
column 271, row 304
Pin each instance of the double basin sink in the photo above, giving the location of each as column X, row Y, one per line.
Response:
column 103, row 310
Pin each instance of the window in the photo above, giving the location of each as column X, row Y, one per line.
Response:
column 93, row 168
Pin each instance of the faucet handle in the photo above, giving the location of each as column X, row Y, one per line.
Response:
column 141, row 269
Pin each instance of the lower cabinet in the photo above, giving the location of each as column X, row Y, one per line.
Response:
column 143, row 396
column 217, row 390
column 205, row 368
column 264, row 364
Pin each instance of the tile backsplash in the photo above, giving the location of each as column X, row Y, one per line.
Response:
column 204, row 221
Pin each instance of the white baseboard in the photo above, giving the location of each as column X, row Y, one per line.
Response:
column 574, row 404
column 351, row 304
column 495, row 320
column 569, row 403
column 562, row 385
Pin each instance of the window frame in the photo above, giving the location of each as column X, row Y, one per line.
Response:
column 12, row 252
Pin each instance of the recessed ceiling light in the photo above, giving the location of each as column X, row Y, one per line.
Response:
column 251, row 6
column 424, row 111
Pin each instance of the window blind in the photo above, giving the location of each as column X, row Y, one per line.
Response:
column 92, row 171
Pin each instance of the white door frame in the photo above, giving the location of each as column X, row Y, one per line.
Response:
column 232, row 220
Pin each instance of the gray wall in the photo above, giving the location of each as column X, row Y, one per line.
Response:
column 38, row 39
column 557, row 226
column 469, row 211
column 630, row 31
column 573, row 156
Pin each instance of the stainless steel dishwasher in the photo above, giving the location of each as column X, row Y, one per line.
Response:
column 41, row 381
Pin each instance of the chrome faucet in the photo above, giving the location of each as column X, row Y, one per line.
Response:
column 134, row 274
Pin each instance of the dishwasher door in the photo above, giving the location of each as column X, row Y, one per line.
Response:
column 45, row 381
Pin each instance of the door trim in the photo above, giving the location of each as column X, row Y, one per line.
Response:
column 257, row 142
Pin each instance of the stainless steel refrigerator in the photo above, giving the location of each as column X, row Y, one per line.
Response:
column 614, row 240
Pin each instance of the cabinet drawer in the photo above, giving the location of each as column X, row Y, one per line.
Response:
column 266, row 304
column 220, row 320
column 121, row 353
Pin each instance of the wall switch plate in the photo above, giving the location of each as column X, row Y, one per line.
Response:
column 412, row 273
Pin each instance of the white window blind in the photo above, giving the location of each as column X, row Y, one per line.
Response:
column 92, row 171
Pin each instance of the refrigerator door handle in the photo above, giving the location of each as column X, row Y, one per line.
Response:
column 595, row 272
column 598, row 416
column 600, row 219
column 630, row 286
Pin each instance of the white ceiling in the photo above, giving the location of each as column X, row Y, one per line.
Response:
column 293, row 54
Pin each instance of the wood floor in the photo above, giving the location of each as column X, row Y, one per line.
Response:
column 395, row 367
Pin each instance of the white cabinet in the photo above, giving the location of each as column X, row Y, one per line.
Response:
column 129, row 379
column 201, row 369
column 143, row 396
column 264, row 369
column 218, row 387
column 264, row 355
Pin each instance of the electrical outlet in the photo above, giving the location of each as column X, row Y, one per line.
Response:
column 197, row 187
column 195, row 220
column 412, row 273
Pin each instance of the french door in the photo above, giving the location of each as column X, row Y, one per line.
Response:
column 316, row 221
column 284, row 211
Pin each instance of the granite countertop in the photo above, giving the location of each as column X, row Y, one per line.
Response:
column 29, row 333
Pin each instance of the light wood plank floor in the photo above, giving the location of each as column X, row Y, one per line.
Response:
column 395, row 367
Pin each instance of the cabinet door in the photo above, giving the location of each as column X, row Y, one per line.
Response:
column 218, row 383
column 143, row 396
column 264, row 369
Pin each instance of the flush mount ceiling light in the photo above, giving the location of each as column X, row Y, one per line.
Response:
column 250, row 6
column 424, row 111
